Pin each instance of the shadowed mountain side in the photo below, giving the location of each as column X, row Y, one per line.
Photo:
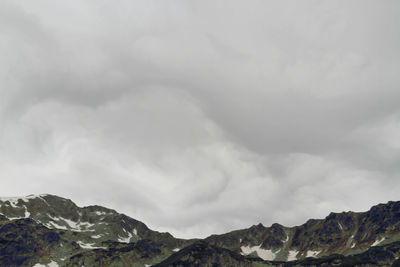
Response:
column 203, row 254
column 81, row 232
column 48, row 229
column 339, row 233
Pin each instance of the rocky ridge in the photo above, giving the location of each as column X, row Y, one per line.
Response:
column 78, row 232
column 343, row 233
column 47, row 230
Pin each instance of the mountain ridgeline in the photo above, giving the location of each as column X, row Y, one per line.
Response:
column 47, row 230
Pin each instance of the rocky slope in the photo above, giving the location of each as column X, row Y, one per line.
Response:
column 202, row 253
column 341, row 233
column 79, row 231
column 47, row 230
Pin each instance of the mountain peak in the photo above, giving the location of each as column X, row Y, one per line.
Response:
column 74, row 235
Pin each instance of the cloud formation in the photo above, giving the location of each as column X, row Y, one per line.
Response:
column 202, row 117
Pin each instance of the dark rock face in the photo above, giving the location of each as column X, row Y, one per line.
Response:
column 118, row 253
column 375, row 256
column 343, row 233
column 23, row 240
column 43, row 229
column 48, row 229
column 202, row 253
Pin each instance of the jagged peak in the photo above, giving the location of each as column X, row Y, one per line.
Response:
column 99, row 208
column 30, row 197
column 277, row 225
column 94, row 227
column 258, row 226
column 13, row 198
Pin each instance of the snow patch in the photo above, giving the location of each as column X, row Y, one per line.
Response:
column 70, row 223
column 88, row 245
column 312, row 253
column 286, row 240
column 86, row 225
column 265, row 254
column 51, row 264
column 377, row 242
column 340, row 226
column 125, row 239
column 13, row 218
column 53, row 218
column 176, row 249
column 55, row 225
column 73, row 226
column 96, row 236
column 292, row 255
column 353, row 242
column 27, row 213
column 14, row 200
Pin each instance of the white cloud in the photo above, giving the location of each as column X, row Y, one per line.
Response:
column 202, row 117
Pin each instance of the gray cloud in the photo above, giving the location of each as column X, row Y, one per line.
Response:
column 202, row 117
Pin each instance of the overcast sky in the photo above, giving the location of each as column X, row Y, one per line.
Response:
column 200, row 117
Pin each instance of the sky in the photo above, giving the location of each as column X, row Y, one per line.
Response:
column 201, row 117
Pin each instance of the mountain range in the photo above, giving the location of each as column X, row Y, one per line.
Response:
column 48, row 230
